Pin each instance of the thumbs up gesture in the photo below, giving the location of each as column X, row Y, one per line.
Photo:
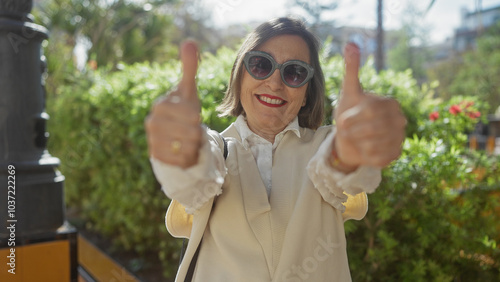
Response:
column 173, row 127
column 370, row 128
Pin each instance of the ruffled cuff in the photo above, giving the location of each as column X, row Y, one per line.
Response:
column 194, row 186
column 332, row 184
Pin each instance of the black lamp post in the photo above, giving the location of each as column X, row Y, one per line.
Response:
column 38, row 186
column 31, row 189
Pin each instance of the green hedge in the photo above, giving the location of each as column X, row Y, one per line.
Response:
column 429, row 220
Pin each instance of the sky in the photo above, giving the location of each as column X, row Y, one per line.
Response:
column 442, row 19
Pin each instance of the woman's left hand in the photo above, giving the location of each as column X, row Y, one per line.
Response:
column 370, row 128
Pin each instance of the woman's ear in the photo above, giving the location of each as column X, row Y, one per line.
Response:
column 305, row 101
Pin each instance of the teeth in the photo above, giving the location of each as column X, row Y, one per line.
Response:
column 271, row 101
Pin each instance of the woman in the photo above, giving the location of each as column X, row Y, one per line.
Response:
column 273, row 207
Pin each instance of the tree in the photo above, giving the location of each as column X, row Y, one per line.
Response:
column 479, row 73
column 193, row 21
column 445, row 72
column 411, row 52
column 314, row 9
column 379, row 58
column 115, row 31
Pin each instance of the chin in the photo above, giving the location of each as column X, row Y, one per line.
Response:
column 274, row 121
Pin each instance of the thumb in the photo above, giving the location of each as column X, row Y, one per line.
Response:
column 189, row 59
column 351, row 88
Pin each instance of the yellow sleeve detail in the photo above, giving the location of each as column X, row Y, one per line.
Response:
column 178, row 222
column 356, row 206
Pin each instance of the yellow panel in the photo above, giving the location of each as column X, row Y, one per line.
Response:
column 48, row 261
column 100, row 265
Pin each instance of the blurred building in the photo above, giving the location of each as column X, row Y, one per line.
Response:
column 472, row 26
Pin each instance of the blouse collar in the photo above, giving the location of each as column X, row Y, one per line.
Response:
column 248, row 136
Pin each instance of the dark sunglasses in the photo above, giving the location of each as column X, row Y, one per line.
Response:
column 294, row 73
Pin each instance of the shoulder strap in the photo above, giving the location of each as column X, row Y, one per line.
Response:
column 225, row 147
column 192, row 264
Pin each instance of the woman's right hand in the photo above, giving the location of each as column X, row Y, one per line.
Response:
column 173, row 128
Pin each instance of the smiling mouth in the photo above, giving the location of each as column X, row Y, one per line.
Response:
column 270, row 101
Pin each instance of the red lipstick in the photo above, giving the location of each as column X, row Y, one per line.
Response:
column 270, row 100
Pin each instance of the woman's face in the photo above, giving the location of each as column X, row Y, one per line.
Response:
column 269, row 104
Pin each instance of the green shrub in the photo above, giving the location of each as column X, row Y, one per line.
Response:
column 431, row 219
column 97, row 131
column 435, row 215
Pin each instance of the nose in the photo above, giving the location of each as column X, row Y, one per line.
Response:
column 274, row 81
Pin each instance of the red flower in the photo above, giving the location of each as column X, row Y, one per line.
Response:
column 474, row 115
column 433, row 116
column 455, row 109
